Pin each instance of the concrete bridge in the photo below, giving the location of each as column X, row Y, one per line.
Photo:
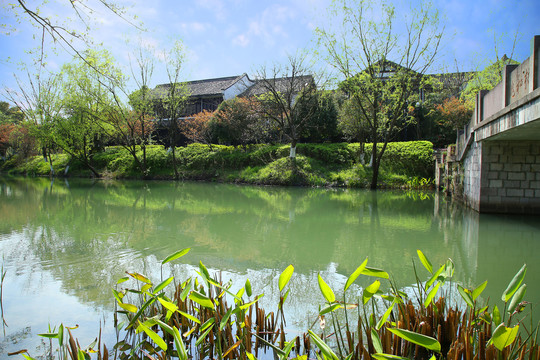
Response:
column 497, row 156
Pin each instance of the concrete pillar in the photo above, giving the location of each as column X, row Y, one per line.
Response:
column 506, row 80
column 479, row 107
column 534, row 63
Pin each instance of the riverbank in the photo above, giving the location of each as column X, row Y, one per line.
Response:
column 404, row 164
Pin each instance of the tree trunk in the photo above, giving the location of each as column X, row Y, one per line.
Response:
column 292, row 153
column 375, row 163
column 176, row 175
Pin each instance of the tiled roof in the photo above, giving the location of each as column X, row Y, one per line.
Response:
column 281, row 84
column 207, row 87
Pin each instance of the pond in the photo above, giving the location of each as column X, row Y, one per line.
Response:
column 64, row 244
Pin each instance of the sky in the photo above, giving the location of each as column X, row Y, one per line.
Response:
column 231, row 37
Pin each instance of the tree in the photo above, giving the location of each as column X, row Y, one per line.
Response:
column 236, row 122
column 284, row 90
column 171, row 105
column 455, row 113
column 39, row 101
column 73, row 32
column 322, row 124
column 381, row 61
column 79, row 130
column 197, row 127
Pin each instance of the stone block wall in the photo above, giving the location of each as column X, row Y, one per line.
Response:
column 471, row 173
column 510, row 177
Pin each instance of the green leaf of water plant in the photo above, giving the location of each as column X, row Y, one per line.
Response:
column 326, row 290
column 376, row 341
column 176, row 255
column 122, row 279
column 250, row 356
column 145, row 287
column 225, row 318
column 503, row 336
column 155, row 337
column 287, row 349
column 248, row 288
column 245, row 306
column 201, row 299
column 190, row 317
column 385, row 317
column 163, row 285
column 329, row 308
column 388, row 357
column 139, row 277
column 418, row 339
column 465, row 294
column 516, row 299
column 433, row 278
column 208, row 324
column 128, row 307
column 180, row 348
column 355, row 275
column 425, row 261
column 117, row 295
column 476, row 292
column 285, row 277
column 202, row 337
column 141, row 310
column 514, row 283
column 448, row 269
column 375, row 272
column 61, row 335
column 370, row 291
column 186, row 290
column 431, row 294
column 204, row 273
column 496, row 316
column 325, row 349
column 168, row 305
column 49, row 335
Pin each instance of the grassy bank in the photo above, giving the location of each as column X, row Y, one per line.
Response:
column 336, row 164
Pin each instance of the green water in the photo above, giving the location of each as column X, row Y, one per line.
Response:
column 64, row 245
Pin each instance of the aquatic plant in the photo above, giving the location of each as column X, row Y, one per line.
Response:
column 202, row 318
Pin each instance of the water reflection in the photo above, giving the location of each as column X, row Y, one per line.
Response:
column 83, row 235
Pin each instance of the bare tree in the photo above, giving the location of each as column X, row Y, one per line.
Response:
column 283, row 90
column 382, row 62
column 72, row 35
column 173, row 102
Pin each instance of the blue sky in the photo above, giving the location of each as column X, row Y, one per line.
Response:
column 230, row 37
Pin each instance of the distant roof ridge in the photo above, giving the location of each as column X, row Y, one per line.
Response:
column 224, row 78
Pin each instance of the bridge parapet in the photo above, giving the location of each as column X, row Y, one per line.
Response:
column 498, row 152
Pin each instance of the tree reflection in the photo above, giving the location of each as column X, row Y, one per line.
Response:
column 87, row 234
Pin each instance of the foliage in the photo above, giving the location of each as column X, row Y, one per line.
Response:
column 202, row 317
column 197, row 127
column 236, row 123
column 486, row 79
column 382, row 68
column 319, row 164
column 455, row 113
column 322, row 125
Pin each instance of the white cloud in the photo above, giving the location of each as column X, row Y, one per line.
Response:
column 241, row 40
column 268, row 26
column 216, row 6
column 194, row 27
